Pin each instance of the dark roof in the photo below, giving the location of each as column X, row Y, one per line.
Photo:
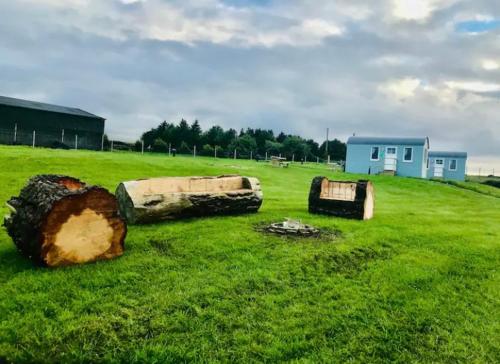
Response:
column 10, row 101
column 448, row 154
column 387, row 140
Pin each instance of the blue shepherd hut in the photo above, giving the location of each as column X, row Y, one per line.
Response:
column 393, row 156
column 447, row 165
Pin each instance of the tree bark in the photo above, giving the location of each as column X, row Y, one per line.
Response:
column 59, row 220
column 353, row 200
column 158, row 199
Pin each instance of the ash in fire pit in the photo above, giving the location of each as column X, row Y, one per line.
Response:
column 292, row 227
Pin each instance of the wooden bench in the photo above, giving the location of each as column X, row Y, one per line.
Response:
column 167, row 198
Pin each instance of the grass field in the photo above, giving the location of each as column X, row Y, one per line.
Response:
column 418, row 283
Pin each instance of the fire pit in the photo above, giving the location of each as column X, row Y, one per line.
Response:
column 292, row 227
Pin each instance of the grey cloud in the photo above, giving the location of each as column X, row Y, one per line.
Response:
column 137, row 82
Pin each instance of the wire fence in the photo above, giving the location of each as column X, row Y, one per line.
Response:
column 55, row 138
column 71, row 139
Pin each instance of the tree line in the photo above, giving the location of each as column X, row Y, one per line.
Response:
column 184, row 137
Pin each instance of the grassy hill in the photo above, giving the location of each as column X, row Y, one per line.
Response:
column 418, row 283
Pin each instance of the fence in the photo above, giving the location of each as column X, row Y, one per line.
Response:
column 63, row 138
column 72, row 139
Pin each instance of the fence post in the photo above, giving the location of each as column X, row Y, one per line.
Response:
column 62, row 136
column 102, row 142
column 169, row 149
column 266, row 156
column 34, row 135
column 76, row 141
column 251, row 154
column 142, row 146
column 293, row 158
column 15, row 133
column 215, row 152
column 328, row 159
column 235, row 154
column 194, row 152
column 112, row 145
column 317, row 160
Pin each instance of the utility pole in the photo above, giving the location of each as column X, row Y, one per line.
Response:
column 251, row 154
column 34, row 136
column 62, row 136
column 235, row 154
column 112, row 144
column 194, row 152
column 215, row 152
column 15, row 133
column 266, row 156
column 76, row 141
column 102, row 142
column 142, row 146
column 169, row 149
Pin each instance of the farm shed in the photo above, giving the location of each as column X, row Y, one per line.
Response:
column 395, row 156
column 29, row 122
column 447, row 165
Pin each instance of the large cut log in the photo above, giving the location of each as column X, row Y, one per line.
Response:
column 166, row 198
column 354, row 200
column 59, row 220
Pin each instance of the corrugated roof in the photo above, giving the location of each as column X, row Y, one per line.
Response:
column 448, row 154
column 10, row 101
column 387, row 140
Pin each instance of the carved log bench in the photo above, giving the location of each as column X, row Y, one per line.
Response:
column 167, row 198
column 354, row 200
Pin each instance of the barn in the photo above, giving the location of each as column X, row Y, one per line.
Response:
column 35, row 123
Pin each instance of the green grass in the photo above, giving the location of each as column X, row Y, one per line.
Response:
column 418, row 283
column 474, row 185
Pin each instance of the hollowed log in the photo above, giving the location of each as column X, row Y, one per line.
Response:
column 354, row 200
column 59, row 220
column 167, row 198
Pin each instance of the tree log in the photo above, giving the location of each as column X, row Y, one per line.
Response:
column 59, row 220
column 167, row 198
column 353, row 200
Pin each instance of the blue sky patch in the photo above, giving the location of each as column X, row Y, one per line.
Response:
column 477, row 26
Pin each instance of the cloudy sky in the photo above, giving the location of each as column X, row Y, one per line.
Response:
column 378, row 67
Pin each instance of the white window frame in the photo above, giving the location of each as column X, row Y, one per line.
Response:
column 404, row 155
column 395, row 150
column 378, row 153
column 456, row 164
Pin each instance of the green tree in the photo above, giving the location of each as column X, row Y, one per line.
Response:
column 336, row 149
column 207, row 150
column 295, row 146
column 273, row 148
column 160, row 146
column 243, row 145
column 184, row 149
column 196, row 133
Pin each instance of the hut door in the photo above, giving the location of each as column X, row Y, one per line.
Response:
column 438, row 167
column 390, row 158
